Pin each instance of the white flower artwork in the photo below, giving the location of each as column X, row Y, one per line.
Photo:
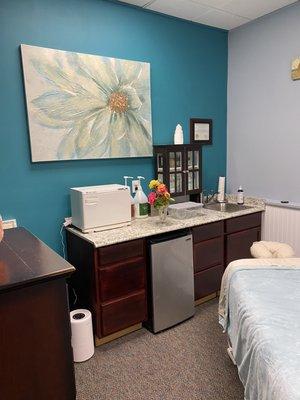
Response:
column 83, row 106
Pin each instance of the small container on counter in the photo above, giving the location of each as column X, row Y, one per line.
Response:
column 240, row 196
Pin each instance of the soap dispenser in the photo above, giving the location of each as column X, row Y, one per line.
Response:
column 141, row 201
column 131, row 198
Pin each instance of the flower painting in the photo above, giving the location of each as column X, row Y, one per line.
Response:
column 84, row 106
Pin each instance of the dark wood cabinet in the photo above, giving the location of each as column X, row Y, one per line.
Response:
column 127, row 277
column 35, row 342
column 208, row 253
column 241, row 232
column 219, row 243
column 238, row 244
column 180, row 168
column 111, row 282
column 242, row 223
column 208, row 281
column 122, row 313
column 208, row 248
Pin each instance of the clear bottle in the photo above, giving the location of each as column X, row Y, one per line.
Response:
column 141, row 201
column 240, row 196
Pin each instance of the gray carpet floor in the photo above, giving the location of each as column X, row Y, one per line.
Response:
column 188, row 362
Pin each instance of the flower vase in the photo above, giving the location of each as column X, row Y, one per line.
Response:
column 162, row 212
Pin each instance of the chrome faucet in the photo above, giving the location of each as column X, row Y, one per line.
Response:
column 207, row 198
column 210, row 198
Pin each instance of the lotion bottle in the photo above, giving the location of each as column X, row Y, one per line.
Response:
column 141, row 201
column 240, row 196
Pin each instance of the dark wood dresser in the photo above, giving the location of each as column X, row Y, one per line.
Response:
column 36, row 360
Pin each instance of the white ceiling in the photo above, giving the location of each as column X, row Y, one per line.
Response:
column 226, row 14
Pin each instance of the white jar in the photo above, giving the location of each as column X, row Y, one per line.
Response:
column 178, row 135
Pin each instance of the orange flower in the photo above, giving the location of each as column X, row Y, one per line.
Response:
column 161, row 188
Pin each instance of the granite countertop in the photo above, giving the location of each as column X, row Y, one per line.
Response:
column 151, row 226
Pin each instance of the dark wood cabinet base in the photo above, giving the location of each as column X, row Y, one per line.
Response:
column 36, row 358
column 219, row 243
column 208, row 281
column 111, row 280
column 35, row 344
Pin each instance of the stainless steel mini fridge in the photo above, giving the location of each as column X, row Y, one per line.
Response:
column 172, row 280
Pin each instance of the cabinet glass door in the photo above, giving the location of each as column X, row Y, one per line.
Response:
column 193, row 170
column 179, row 172
column 190, row 160
column 178, row 161
column 172, row 183
column 196, row 159
column 196, row 164
column 172, row 161
column 160, row 166
column 160, row 162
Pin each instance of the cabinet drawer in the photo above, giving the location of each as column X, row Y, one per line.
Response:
column 208, row 281
column 120, row 252
column 242, row 223
column 122, row 279
column 238, row 244
column 208, row 231
column 208, row 253
column 121, row 314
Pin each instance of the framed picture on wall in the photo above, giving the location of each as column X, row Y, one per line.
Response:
column 83, row 106
column 200, row 131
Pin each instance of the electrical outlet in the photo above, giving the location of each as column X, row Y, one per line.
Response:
column 9, row 223
column 135, row 185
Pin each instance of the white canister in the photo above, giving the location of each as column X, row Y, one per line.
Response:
column 178, row 135
column 82, row 335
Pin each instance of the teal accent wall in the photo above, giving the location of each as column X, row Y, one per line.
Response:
column 188, row 79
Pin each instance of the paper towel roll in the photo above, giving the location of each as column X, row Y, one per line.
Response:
column 82, row 335
column 221, row 189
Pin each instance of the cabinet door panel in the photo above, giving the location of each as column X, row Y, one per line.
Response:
column 122, row 279
column 121, row 314
column 242, row 223
column 208, row 281
column 208, row 231
column 208, row 253
column 120, row 252
column 238, row 244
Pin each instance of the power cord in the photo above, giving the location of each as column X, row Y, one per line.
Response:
column 68, row 221
column 62, row 240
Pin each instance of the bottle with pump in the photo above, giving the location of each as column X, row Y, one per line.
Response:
column 240, row 196
column 141, row 201
column 132, row 200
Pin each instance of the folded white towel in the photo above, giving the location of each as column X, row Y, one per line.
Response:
column 264, row 249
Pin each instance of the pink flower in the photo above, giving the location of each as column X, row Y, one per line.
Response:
column 151, row 198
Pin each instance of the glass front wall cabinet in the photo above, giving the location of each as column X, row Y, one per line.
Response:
column 180, row 168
